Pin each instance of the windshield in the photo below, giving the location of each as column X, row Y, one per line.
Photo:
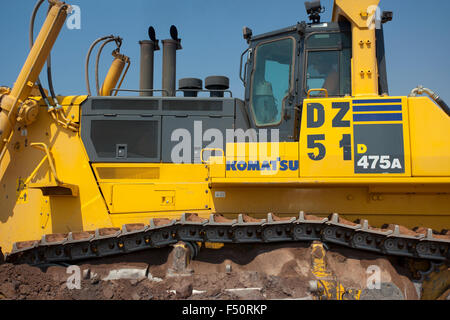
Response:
column 271, row 80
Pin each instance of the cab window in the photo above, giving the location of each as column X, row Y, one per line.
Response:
column 271, row 80
column 328, row 63
column 323, row 71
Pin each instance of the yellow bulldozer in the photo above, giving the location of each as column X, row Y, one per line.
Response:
column 317, row 151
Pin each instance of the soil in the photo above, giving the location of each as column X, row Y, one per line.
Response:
column 278, row 271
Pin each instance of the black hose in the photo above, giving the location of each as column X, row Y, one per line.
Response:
column 49, row 68
column 31, row 35
column 443, row 105
column 50, row 80
column 88, row 56
column 49, row 73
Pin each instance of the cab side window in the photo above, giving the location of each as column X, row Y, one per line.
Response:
column 328, row 63
column 323, row 71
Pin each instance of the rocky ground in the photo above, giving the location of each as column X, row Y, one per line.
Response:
column 231, row 272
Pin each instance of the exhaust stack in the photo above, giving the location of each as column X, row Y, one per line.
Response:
column 169, row 69
column 148, row 48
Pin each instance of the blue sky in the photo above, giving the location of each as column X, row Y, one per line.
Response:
column 417, row 40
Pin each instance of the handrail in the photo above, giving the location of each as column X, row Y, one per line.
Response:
column 138, row 90
column 164, row 90
column 322, row 90
column 43, row 147
column 240, row 66
column 203, row 90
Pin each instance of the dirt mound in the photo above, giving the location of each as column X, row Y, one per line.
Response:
column 26, row 282
column 233, row 272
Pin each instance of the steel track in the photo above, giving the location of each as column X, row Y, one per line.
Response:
column 76, row 246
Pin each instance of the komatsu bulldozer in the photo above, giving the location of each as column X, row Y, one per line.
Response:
column 317, row 150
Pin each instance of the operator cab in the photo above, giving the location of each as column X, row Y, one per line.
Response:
column 284, row 65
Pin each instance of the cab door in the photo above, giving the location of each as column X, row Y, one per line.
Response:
column 272, row 94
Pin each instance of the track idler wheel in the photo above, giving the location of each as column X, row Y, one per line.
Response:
column 193, row 249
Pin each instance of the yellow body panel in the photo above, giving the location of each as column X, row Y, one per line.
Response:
column 430, row 131
column 22, row 221
column 332, row 165
column 411, row 210
column 335, row 121
column 138, row 188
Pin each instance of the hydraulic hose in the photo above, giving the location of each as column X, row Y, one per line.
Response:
column 31, row 35
column 49, row 75
column 50, row 80
column 434, row 96
column 88, row 56
column 51, row 106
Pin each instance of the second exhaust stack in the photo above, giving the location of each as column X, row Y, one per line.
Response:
column 169, row 68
